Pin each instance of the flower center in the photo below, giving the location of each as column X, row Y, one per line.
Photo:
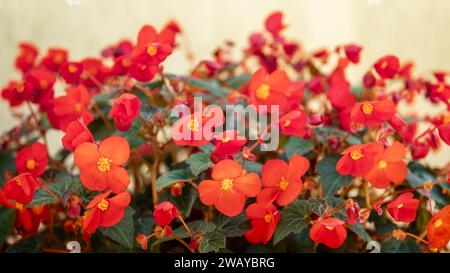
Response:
column 227, row 184
column 287, row 123
column 104, row 164
column 72, row 68
column 193, row 125
column 263, row 91
column 58, row 58
column 43, row 84
column 384, row 65
column 225, row 139
column 152, row 50
column 438, row 223
column 382, row 164
column 19, row 181
column 441, row 87
column 356, row 154
column 447, row 119
column 283, row 183
column 268, row 218
column 20, row 87
column 126, row 62
column 329, row 227
column 103, row 205
column 77, row 107
column 31, row 164
column 399, row 206
column 367, row 108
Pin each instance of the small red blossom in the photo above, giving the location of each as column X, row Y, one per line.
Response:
column 353, row 52
column 373, row 113
column 42, row 81
column 26, row 58
column 76, row 133
column 404, row 208
column 17, row 92
column 352, row 210
column 100, row 166
column 282, row 182
column 438, row 229
column 54, row 59
column 21, row 189
column 32, row 159
column 264, row 218
column 103, row 211
column 294, row 123
column 387, row 67
column 125, row 110
column 227, row 144
column 28, row 220
column 358, row 160
column 229, row 187
column 339, row 92
column 94, row 73
column 330, row 232
column 274, row 23
column 71, row 72
column 164, row 213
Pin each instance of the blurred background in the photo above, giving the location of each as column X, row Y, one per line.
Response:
column 412, row 29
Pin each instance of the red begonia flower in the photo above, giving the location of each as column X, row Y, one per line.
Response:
column 404, row 208
column 71, row 72
column 105, row 212
column 353, row 52
column 264, row 218
column 164, row 213
column 352, row 211
column 54, row 59
column 444, row 129
column 153, row 48
column 282, row 182
column 100, row 166
column 26, row 58
column 227, row 144
column 70, row 107
column 229, row 187
column 42, row 81
column 125, row 109
column 294, row 123
column 121, row 66
column 17, row 92
column 32, row 159
column 94, row 73
column 438, row 229
column 20, row 188
column 339, row 92
column 330, row 232
column 358, row 160
column 76, row 133
column 387, row 67
column 28, row 220
column 274, row 23
column 389, row 167
column 373, row 113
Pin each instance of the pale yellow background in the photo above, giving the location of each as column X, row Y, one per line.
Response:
column 412, row 29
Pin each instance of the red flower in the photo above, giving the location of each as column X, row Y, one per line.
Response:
column 54, row 59
column 339, row 92
column 294, row 123
column 358, row 160
column 227, row 144
column 28, row 220
column 20, row 188
column 32, row 159
column 105, row 212
column 42, row 81
column 353, row 52
column 71, row 72
column 264, row 218
column 153, row 48
column 100, row 166
column 274, row 23
column 229, row 187
column 274, row 89
column 389, row 167
column 438, row 229
column 26, row 58
column 164, row 213
column 404, row 208
column 70, row 107
column 352, row 210
column 94, row 73
column 373, row 113
column 17, row 92
column 142, row 72
column 76, row 133
column 282, row 182
column 330, row 232
column 444, row 130
column 387, row 67
column 125, row 109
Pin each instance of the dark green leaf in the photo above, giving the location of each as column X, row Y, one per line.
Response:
column 238, row 81
column 195, row 226
column 360, row 231
column 324, row 132
column 293, row 218
column 101, row 98
column 400, row 246
column 199, row 162
column 212, row 241
column 253, row 167
column 417, row 175
column 298, row 146
column 186, row 201
column 123, row 232
column 172, row 177
column 213, row 86
column 329, row 178
column 63, row 184
column 31, row 244
column 7, row 163
column 317, row 206
column 233, row 226
column 148, row 112
column 7, row 220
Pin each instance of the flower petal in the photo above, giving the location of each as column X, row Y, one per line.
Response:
column 249, row 184
column 115, row 148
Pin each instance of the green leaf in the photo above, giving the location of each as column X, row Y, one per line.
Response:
column 293, row 218
column 238, row 81
column 101, row 98
column 329, row 178
column 123, row 232
column 147, row 112
column 253, row 167
column 212, row 241
column 213, row 86
column 172, row 177
column 360, row 231
column 7, row 220
column 298, row 146
column 400, row 246
column 324, row 132
column 417, row 175
column 186, row 201
column 7, row 163
column 63, row 185
column 318, row 206
column 31, row 244
column 195, row 226
column 199, row 163
column 233, row 226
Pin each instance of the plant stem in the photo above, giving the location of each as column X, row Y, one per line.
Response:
column 185, row 225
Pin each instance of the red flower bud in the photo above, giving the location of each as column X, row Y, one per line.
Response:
column 125, row 109
column 164, row 213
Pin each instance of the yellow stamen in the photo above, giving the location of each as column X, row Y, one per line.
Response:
column 193, row 125
column 72, row 68
column 283, row 183
column 104, row 164
column 227, row 184
column 152, row 50
column 384, row 65
column 287, row 123
column 367, row 108
column 268, row 218
column 31, row 164
column 78, row 107
column 43, row 84
column 441, row 87
column 19, row 181
column 399, row 206
column 20, row 87
column 382, row 164
column 329, row 227
column 356, row 154
column 438, row 223
column 58, row 58
column 225, row 139
column 263, row 92
column 103, row 205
